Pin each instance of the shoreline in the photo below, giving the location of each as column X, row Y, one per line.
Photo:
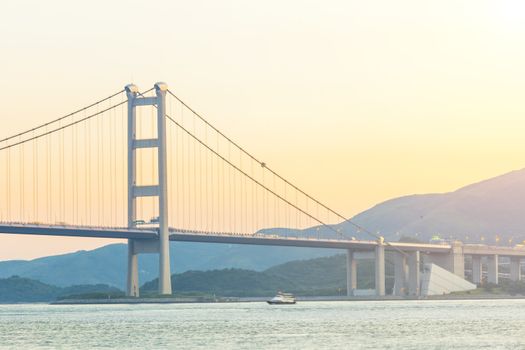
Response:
column 123, row 301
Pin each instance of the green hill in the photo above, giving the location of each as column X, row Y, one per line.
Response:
column 323, row 276
column 17, row 289
column 227, row 282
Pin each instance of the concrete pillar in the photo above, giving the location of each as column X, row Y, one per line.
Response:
column 413, row 273
column 132, row 285
column 400, row 274
column 132, row 288
column 492, row 263
column 515, row 268
column 351, row 273
column 457, row 259
column 164, row 243
column 380, row 267
column 476, row 269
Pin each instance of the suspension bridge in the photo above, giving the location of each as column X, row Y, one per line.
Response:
column 146, row 167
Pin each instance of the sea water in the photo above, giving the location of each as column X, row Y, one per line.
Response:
column 471, row 324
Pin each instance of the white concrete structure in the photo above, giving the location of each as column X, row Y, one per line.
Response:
column 492, row 269
column 351, row 273
column 436, row 280
column 158, row 190
column 476, row 269
column 413, row 273
column 400, row 274
column 380, row 267
column 515, row 268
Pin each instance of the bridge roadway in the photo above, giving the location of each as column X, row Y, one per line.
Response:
column 291, row 241
column 407, row 265
column 213, row 237
column 252, row 239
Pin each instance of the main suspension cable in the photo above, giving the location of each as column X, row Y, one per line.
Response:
column 61, row 118
column 60, row 128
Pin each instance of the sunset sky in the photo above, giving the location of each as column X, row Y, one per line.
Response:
column 356, row 101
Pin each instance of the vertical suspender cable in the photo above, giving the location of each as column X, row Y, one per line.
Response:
column 275, row 207
column 88, row 172
column 138, row 163
column 102, row 173
column 264, row 200
column 201, row 187
column 49, row 208
column 86, row 220
column 123, row 120
column 35, row 180
column 230, row 194
column 188, row 169
column 8, row 183
column 195, row 201
column 222, row 186
column 75, row 177
column 63, row 178
column 254, row 203
column 244, row 204
column 22, row 183
column 114, row 167
column 206, row 178
column 99, row 190
column 152, row 120
column 183, row 171
column 170, row 171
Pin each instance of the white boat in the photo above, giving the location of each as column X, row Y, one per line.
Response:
column 282, row 298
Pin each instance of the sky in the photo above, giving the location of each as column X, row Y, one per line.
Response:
column 355, row 101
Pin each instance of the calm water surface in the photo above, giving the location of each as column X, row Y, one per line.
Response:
column 498, row 324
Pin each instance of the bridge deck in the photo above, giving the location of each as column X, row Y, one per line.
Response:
column 76, row 231
column 485, row 250
column 274, row 240
column 251, row 239
column 210, row 237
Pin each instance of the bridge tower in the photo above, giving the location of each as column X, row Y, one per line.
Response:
column 160, row 190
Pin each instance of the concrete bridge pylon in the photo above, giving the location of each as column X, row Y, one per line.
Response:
column 160, row 190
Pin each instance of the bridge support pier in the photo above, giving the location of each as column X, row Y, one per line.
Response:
column 351, row 273
column 515, row 268
column 453, row 262
column 492, row 270
column 476, row 269
column 457, row 259
column 413, row 273
column 162, row 163
column 400, row 274
column 380, row 267
column 132, row 289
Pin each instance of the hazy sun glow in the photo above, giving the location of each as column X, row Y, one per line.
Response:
column 512, row 11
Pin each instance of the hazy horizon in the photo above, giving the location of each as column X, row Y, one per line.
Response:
column 371, row 100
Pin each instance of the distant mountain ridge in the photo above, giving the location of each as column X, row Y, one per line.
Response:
column 108, row 264
column 480, row 212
